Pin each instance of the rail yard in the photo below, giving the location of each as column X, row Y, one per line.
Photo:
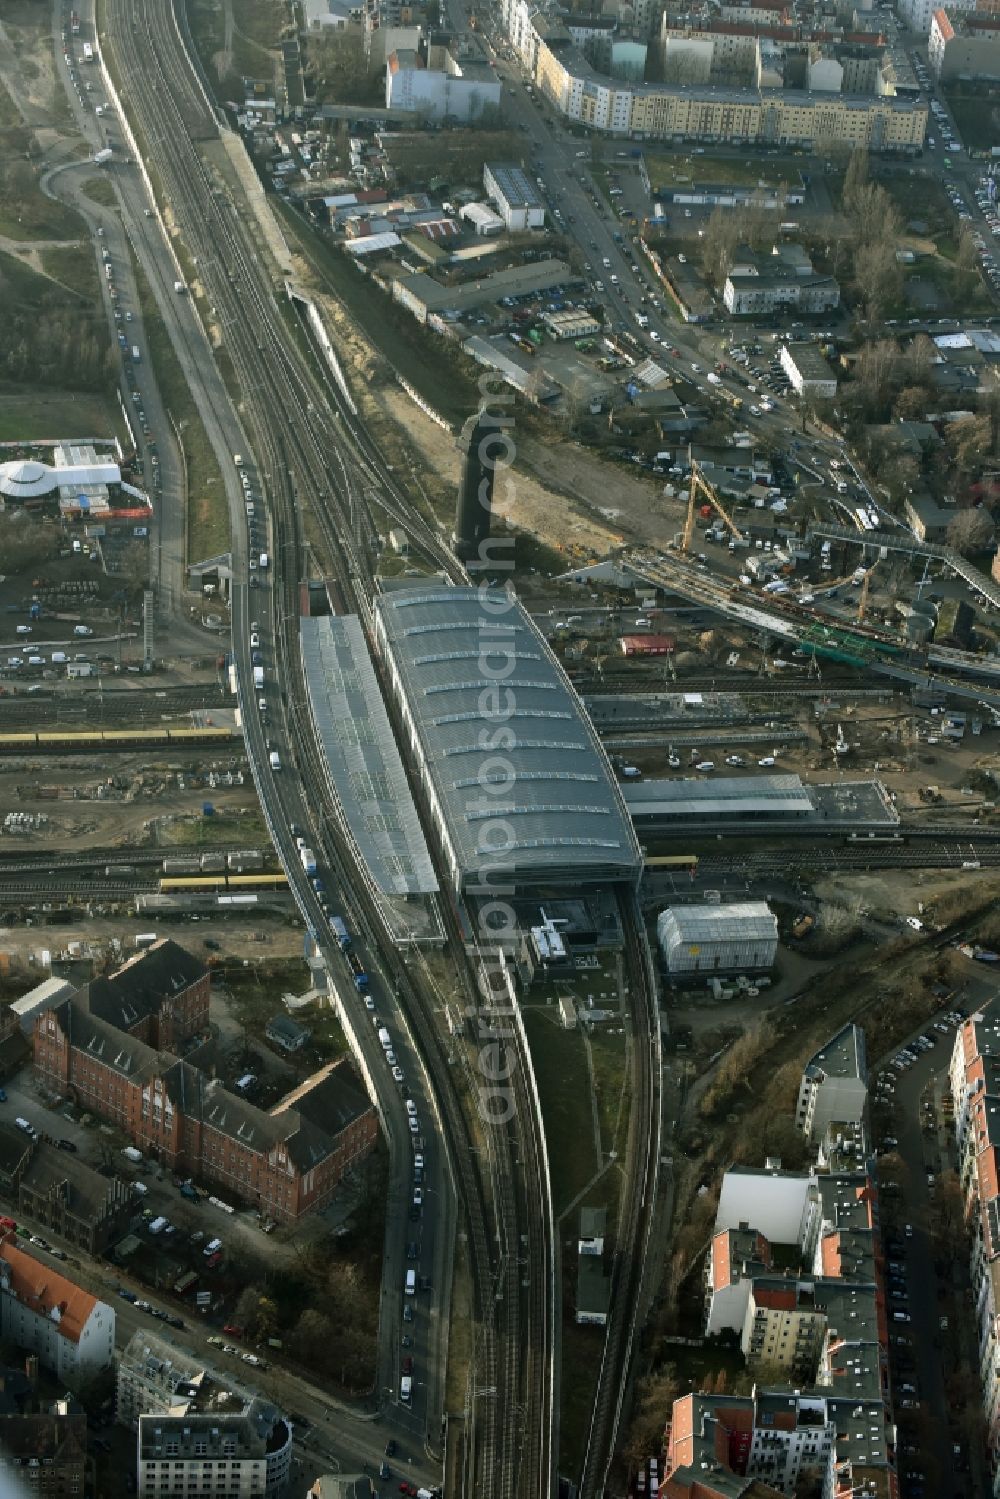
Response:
column 495, row 1007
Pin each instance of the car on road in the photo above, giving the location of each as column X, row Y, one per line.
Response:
column 130, row 1296
column 66, row 1145
column 228, row 1348
column 397, row 1073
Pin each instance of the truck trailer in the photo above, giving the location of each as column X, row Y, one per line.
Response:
column 308, row 860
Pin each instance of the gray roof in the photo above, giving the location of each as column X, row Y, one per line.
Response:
column 200, row 1097
column 744, row 921
column 472, row 669
column 514, row 281
column 514, row 184
column 722, row 795
column 843, row 1055
column 810, row 361
column 361, row 756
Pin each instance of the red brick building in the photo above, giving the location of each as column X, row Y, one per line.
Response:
column 159, row 996
column 286, row 1163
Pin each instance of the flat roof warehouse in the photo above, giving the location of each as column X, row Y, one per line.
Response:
column 502, row 742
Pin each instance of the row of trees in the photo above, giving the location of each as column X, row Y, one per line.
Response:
column 56, row 344
column 874, row 227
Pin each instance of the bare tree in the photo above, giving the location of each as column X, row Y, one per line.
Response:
column 970, row 531
column 856, row 176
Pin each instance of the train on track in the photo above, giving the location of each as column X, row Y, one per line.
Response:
column 674, row 861
column 97, row 741
column 203, row 883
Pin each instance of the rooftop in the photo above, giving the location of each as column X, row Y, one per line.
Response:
column 514, row 185
column 45, row 1291
column 362, row 758
column 843, row 1055
column 515, row 281
column 743, row 921
column 140, row 987
column 561, row 810
column 731, row 796
column 809, row 361
column 201, row 1097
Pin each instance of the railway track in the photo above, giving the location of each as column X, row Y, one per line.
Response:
column 921, row 856
column 101, row 708
column 314, row 458
column 636, row 1211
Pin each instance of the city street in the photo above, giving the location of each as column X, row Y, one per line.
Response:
column 925, row 1353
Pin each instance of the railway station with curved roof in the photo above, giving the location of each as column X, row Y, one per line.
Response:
column 519, row 786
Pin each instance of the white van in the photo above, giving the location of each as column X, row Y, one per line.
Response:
column 705, row 765
column 406, row 1389
column 211, row 1247
column 275, row 760
column 411, row 1282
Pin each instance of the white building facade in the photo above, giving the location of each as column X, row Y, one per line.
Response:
column 72, row 1333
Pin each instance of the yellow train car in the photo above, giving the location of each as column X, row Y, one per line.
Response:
column 258, row 882
column 673, row 861
column 14, row 744
column 210, row 735
column 196, row 883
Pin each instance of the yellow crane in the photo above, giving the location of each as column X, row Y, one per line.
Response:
column 701, row 486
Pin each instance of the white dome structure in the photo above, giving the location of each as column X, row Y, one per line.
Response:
column 22, row 479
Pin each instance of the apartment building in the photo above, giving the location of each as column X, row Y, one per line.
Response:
column 242, row 1452
column 834, row 1086
column 965, row 45
column 430, row 81
column 286, row 1163
column 974, row 1076
column 155, row 1378
column 44, row 1452
column 733, row 1446
column 762, row 285
column 698, row 109
column 918, row 14
column 70, row 1331
column 783, row 1327
column 736, row 1257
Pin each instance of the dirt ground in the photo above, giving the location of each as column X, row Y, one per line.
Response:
column 556, row 518
column 262, row 936
column 557, row 494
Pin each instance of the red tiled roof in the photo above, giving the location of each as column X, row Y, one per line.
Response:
column 41, row 1289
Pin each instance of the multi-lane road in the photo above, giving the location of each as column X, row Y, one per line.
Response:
column 305, row 454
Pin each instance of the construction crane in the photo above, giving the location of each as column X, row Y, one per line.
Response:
column 701, row 486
